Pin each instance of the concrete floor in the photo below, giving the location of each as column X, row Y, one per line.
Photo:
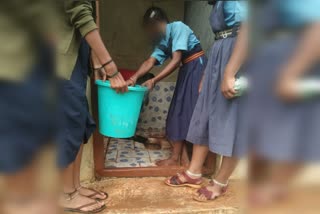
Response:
column 151, row 195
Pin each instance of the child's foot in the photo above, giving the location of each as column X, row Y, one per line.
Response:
column 183, row 179
column 92, row 193
column 267, row 194
column 168, row 162
column 74, row 202
column 210, row 192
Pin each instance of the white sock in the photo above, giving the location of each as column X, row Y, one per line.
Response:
column 193, row 174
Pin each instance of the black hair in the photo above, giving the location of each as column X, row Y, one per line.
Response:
column 153, row 15
column 212, row 2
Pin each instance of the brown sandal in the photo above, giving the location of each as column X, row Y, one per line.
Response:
column 74, row 194
column 96, row 192
column 209, row 194
column 175, row 181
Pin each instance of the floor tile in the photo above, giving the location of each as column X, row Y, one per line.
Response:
column 111, row 155
column 127, row 162
column 156, row 155
column 138, row 145
column 110, row 164
column 126, row 153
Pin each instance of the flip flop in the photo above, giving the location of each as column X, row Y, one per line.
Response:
column 96, row 192
column 79, row 209
column 72, row 195
column 175, row 181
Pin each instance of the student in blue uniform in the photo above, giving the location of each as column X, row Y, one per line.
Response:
column 285, row 125
column 176, row 41
column 214, row 124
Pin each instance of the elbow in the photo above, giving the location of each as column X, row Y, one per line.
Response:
column 176, row 63
column 149, row 63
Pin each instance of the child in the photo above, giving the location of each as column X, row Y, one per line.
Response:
column 214, row 123
column 177, row 41
column 286, row 124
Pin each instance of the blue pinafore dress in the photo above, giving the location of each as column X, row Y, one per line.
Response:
column 214, row 121
column 76, row 123
column 185, row 96
column 278, row 130
column 27, row 112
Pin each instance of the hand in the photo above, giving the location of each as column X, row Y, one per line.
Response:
column 100, row 74
column 117, row 82
column 132, row 81
column 149, row 84
column 287, row 89
column 227, row 87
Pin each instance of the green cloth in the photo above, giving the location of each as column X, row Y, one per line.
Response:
column 77, row 22
column 22, row 22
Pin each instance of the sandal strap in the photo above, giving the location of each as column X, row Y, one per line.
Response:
column 96, row 192
column 207, row 193
column 191, row 180
column 71, row 195
column 87, row 205
column 175, row 180
column 80, row 187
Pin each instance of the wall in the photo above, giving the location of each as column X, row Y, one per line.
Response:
column 121, row 29
column 197, row 17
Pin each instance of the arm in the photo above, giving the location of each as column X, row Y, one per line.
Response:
column 306, row 54
column 144, row 69
column 237, row 58
column 300, row 62
column 174, row 63
column 80, row 16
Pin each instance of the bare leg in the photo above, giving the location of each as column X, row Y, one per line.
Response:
column 174, row 159
column 227, row 167
column 184, row 160
column 68, row 177
column 276, row 186
column 199, row 156
column 76, row 179
column 22, row 193
column 16, row 185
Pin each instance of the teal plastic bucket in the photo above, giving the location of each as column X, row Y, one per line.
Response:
column 119, row 113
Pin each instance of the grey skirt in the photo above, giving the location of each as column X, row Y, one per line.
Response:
column 214, row 121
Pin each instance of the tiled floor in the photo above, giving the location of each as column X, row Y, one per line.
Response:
column 127, row 153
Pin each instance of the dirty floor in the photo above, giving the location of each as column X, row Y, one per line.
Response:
column 151, row 195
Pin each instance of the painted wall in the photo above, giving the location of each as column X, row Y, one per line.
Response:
column 197, row 17
column 121, row 29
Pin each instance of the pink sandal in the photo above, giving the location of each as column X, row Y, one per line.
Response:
column 175, row 181
column 208, row 195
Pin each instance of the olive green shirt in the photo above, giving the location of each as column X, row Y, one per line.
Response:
column 77, row 22
column 22, row 22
